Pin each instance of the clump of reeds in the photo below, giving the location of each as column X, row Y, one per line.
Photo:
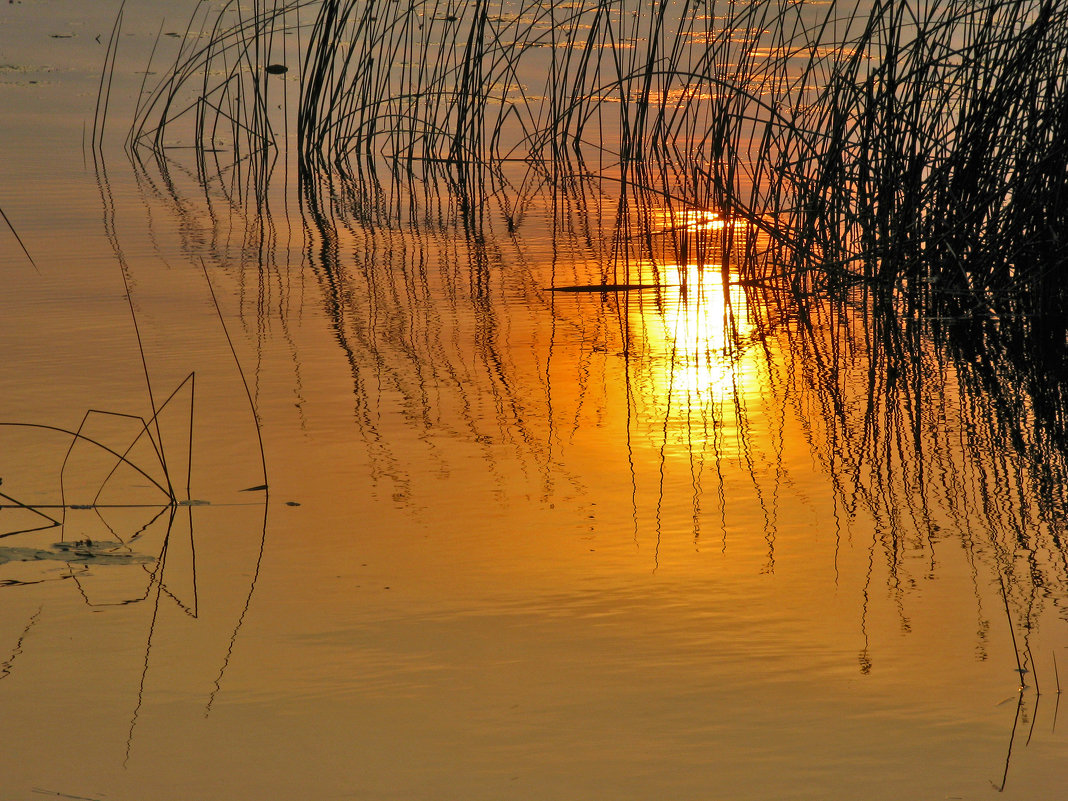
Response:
column 936, row 151
column 218, row 93
column 906, row 142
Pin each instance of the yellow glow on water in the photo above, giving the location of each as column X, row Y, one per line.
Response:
column 702, row 220
column 699, row 332
column 701, row 320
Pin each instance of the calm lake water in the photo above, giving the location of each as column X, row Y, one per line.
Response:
column 517, row 544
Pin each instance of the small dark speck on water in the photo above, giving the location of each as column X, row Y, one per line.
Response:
column 276, row 69
column 292, row 503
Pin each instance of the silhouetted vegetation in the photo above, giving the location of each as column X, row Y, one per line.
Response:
column 916, row 142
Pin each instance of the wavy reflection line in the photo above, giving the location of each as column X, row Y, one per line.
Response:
column 16, row 651
column 144, row 673
column 232, row 643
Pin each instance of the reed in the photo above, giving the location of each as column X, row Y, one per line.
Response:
column 896, row 142
column 18, row 239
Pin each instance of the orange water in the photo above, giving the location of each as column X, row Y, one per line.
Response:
column 517, row 544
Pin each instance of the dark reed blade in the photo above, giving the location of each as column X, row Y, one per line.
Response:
column 19, row 240
column 610, row 287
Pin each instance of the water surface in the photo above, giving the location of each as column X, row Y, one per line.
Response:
column 517, row 543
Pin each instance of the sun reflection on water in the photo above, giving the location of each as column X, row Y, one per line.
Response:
column 702, row 320
column 699, row 334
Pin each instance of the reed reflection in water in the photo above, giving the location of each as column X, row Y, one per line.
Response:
column 714, row 370
column 444, row 334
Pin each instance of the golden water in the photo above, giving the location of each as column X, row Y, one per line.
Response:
column 518, row 544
